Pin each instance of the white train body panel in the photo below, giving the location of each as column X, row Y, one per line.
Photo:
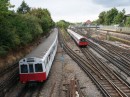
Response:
column 38, row 68
column 80, row 40
column 76, row 36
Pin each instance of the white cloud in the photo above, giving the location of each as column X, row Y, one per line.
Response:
column 112, row 3
column 71, row 10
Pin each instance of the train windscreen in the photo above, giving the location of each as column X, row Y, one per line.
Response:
column 83, row 40
column 24, row 69
column 38, row 68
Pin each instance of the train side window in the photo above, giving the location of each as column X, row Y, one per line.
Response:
column 44, row 63
column 31, row 68
column 47, row 61
column 51, row 51
column 38, row 68
column 49, row 57
column 24, row 69
column 53, row 47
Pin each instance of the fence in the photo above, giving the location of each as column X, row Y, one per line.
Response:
column 116, row 28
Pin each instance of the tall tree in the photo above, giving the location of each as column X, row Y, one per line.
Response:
column 24, row 8
column 102, row 17
column 96, row 22
column 119, row 18
column 4, row 6
column 63, row 24
column 110, row 15
column 128, row 21
column 44, row 18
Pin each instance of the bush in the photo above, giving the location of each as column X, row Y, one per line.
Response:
column 21, row 29
column 27, row 28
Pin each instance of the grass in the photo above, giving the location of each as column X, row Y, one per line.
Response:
column 112, row 38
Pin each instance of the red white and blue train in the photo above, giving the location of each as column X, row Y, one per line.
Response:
column 36, row 67
column 80, row 40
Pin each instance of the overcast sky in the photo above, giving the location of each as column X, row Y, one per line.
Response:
column 75, row 10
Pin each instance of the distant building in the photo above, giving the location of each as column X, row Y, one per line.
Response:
column 88, row 22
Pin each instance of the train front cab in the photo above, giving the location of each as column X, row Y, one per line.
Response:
column 83, row 42
column 32, row 72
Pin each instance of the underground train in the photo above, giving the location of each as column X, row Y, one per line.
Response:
column 80, row 40
column 36, row 69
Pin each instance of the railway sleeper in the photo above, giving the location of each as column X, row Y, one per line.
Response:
column 114, row 94
column 109, row 88
column 106, row 85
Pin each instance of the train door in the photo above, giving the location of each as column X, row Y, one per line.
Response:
column 31, row 68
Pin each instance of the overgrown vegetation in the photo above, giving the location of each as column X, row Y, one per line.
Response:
column 63, row 24
column 113, row 16
column 112, row 38
column 20, row 28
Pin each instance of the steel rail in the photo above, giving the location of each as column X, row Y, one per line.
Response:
column 111, row 58
column 107, row 72
column 93, row 71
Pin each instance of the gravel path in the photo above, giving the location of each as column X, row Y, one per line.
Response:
column 71, row 69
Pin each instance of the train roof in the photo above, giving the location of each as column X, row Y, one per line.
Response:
column 75, row 34
column 42, row 48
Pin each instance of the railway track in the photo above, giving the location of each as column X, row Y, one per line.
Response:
column 114, row 50
column 5, row 85
column 31, row 91
column 7, row 69
column 106, row 86
column 106, row 71
column 117, row 61
column 34, row 90
column 9, row 77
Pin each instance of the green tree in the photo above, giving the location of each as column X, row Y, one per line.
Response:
column 8, row 38
column 96, row 22
column 44, row 18
column 102, row 17
column 127, row 22
column 18, row 30
column 110, row 15
column 24, row 8
column 27, row 28
column 120, row 18
column 4, row 6
column 63, row 24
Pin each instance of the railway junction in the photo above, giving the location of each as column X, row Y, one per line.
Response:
column 98, row 70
